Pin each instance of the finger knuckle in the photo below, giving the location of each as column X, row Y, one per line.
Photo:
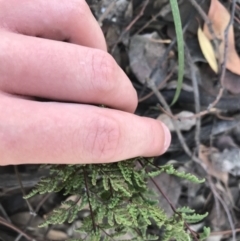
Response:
column 103, row 72
column 102, row 139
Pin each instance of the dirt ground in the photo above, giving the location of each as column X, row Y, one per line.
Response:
column 205, row 121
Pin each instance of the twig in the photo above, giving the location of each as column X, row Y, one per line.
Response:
column 226, row 31
column 4, row 213
column 223, row 67
column 225, row 208
column 158, row 87
column 209, row 25
column 225, row 232
column 175, row 117
column 106, row 12
column 9, row 225
column 130, row 25
column 149, row 22
column 9, row 182
column 23, row 192
column 152, row 85
column 43, row 200
column 196, row 98
column 161, row 41
column 219, row 96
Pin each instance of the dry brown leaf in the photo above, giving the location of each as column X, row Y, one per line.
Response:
column 231, row 82
column 185, row 125
column 220, row 17
column 212, row 170
column 207, row 50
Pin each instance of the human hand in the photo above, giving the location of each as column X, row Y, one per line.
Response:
column 36, row 62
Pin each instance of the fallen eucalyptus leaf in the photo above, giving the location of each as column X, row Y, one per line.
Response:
column 207, row 50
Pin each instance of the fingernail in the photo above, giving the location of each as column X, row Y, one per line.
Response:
column 167, row 137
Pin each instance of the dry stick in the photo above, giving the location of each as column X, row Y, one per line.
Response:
column 225, row 232
column 152, row 85
column 175, row 117
column 225, row 208
column 211, row 30
column 9, row 225
column 219, row 96
column 209, row 24
column 223, row 71
column 217, row 206
column 106, row 12
column 148, row 23
column 196, row 98
column 218, row 198
column 23, row 192
column 130, row 25
column 158, row 87
column 4, row 213
column 161, row 41
column 33, row 217
column 226, row 32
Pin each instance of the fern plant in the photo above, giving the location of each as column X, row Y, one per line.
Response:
column 118, row 201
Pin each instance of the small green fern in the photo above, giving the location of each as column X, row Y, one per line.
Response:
column 118, row 200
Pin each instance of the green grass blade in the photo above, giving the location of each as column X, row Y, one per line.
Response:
column 180, row 45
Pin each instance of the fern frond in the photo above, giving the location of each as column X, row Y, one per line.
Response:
column 121, row 203
column 169, row 169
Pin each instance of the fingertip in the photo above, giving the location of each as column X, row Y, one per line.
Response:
column 134, row 103
column 167, row 137
column 159, row 138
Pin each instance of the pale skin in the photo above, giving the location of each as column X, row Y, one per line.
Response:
column 36, row 62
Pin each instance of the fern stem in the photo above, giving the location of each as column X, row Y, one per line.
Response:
column 89, row 202
column 106, row 233
column 170, row 203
